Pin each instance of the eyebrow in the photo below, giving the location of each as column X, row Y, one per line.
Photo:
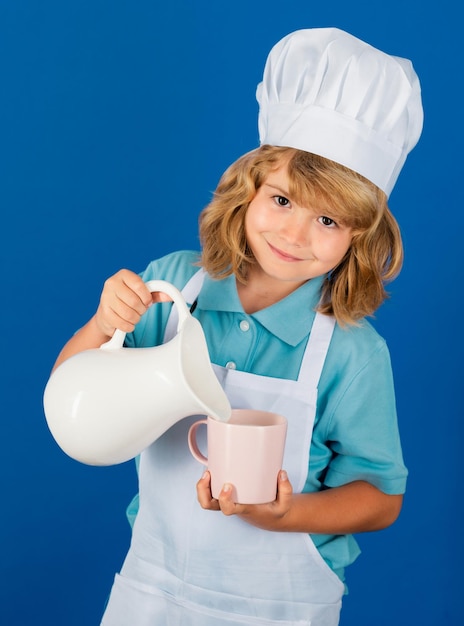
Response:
column 283, row 192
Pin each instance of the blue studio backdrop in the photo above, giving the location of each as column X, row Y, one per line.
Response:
column 117, row 119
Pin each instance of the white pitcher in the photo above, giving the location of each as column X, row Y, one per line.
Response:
column 104, row 406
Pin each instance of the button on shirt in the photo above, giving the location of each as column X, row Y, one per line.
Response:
column 355, row 435
column 270, row 342
column 244, row 325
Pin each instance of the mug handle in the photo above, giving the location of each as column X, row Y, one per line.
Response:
column 117, row 340
column 192, row 442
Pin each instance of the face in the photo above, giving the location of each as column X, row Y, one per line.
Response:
column 291, row 243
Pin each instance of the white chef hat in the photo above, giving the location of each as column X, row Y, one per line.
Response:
column 327, row 92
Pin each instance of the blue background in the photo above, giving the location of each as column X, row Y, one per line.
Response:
column 116, row 120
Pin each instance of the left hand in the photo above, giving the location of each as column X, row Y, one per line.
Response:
column 266, row 516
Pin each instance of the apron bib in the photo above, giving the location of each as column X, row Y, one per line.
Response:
column 203, row 568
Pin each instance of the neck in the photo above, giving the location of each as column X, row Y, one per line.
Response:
column 260, row 293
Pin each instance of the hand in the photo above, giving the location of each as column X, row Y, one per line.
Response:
column 124, row 299
column 268, row 516
column 352, row 508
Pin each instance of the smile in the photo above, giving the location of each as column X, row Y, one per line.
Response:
column 280, row 254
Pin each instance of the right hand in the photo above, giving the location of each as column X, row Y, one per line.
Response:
column 123, row 301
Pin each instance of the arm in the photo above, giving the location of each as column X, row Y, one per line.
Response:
column 352, row 508
column 123, row 301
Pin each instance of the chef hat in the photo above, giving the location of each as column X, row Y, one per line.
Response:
column 327, row 92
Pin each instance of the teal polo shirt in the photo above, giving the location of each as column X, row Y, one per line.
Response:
column 355, row 434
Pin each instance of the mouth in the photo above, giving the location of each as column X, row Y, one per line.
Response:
column 284, row 256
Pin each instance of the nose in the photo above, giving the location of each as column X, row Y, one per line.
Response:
column 296, row 229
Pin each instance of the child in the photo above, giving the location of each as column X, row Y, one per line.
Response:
column 297, row 245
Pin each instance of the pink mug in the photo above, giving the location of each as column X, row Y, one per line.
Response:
column 246, row 451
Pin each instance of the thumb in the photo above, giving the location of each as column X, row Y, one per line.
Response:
column 284, row 487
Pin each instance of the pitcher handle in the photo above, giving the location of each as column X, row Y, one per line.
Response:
column 117, row 340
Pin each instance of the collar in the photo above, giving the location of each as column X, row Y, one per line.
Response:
column 279, row 318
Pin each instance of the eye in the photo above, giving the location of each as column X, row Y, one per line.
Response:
column 327, row 221
column 281, row 201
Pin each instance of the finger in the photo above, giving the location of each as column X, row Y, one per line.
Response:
column 284, row 488
column 113, row 312
column 160, row 296
column 134, row 292
column 204, row 496
column 226, row 501
column 125, row 298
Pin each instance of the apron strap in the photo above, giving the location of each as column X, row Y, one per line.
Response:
column 316, row 348
column 190, row 292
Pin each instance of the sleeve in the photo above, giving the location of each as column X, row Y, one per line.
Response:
column 363, row 430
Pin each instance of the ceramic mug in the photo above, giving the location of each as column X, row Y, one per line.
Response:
column 246, row 451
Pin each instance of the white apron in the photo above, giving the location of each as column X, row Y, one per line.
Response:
column 190, row 567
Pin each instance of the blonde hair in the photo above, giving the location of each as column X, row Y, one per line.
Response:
column 356, row 287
